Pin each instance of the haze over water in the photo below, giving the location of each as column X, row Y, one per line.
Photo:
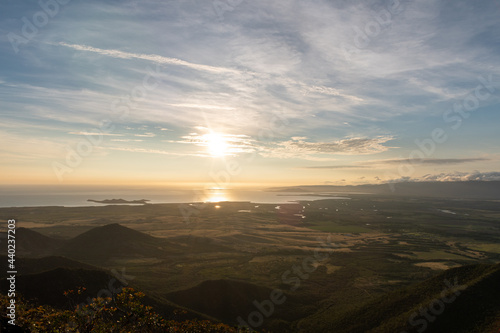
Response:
column 24, row 196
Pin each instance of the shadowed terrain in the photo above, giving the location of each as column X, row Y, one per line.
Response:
column 359, row 263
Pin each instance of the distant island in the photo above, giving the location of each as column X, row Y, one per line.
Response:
column 120, row 201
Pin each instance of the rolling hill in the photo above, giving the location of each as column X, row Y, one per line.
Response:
column 48, row 287
column 112, row 241
column 38, row 265
column 470, row 305
column 226, row 300
column 30, row 243
column 222, row 299
column 95, row 246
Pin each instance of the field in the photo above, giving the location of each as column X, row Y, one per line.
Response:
column 324, row 254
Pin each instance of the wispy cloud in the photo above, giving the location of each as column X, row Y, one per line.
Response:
column 203, row 106
column 155, row 151
column 288, row 69
column 150, row 57
column 298, row 147
column 323, row 90
column 436, row 161
column 95, row 133
column 337, row 167
column 398, row 161
column 127, row 140
column 146, row 135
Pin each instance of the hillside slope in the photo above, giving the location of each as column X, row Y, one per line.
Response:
column 48, row 288
column 30, row 243
column 459, row 300
column 111, row 241
column 227, row 300
column 39, row 265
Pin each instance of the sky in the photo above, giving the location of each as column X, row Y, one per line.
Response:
column 240, row 93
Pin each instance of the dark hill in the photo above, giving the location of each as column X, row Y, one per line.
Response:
column 222, row 299
column 227, row 300
column 112, row 241
column 48, row 288
column 30, row 243
column 472, row 310
column 38, row 265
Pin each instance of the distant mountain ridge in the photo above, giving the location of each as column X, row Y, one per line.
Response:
column 461, row 189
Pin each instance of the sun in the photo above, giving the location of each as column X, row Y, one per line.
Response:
column 217, row 144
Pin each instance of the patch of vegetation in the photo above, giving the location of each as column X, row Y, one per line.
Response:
column 438, row 255
column 492, row 248
column 125, row 312
column 336, row 228
column 472, row 305
column 382, row 244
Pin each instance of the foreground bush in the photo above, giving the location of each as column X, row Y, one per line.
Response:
column 124, row 313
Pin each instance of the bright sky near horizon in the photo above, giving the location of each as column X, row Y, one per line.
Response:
column 249, row 92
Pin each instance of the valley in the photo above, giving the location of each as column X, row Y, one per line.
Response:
column 326, row 256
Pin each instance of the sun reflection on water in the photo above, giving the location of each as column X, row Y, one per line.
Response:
column 217, row 195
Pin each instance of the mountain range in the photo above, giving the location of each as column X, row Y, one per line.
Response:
column 455, row 189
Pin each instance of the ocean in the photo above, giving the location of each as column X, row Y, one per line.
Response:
column 77, row 196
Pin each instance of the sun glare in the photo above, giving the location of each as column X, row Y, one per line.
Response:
column 216, row 195
column 217, row 144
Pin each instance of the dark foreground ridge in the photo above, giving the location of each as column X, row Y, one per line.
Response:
column 458, row 300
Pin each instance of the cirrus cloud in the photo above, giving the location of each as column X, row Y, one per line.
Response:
column 298, row 147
